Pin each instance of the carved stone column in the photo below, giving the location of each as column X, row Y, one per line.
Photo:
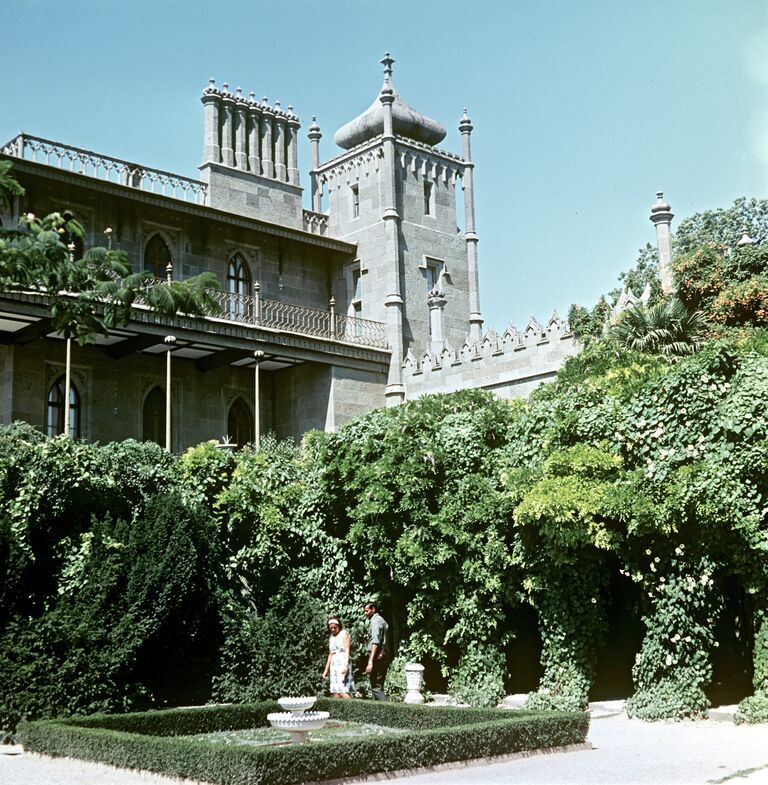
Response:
column 395, row 391
column 662, row 215
column 314, row 140
column 293, row 147
column 227, row 153
column 279, row 144
column 436, row 302
column 254, row 135
column 241, row 115
column 211, row 105
column 470, row 236
column 267, row 115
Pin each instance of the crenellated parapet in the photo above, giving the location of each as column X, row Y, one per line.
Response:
column 628, row 299
column 249, row 135
column 510, row 364
column 414, row 158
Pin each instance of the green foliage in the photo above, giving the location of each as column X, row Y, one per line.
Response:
column 9, row 187
column 644, row 274
column 434, row 737
column 281, row 652
column 413, row 494
column 730, row 288
column 667, row 328
column 479, row 678
column 753, row 709
column 673, row 666
column 587, row 324
column 723, row 226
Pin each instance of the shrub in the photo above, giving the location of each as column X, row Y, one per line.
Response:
column 478, row 679
column 436, row 735
column 280, row 652
column 753, row 709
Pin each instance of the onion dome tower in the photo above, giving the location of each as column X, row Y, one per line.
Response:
column 393, row 192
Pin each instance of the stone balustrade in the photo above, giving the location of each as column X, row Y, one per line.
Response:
column 104, row 167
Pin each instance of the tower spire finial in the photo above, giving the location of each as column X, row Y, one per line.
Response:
column 387, row 61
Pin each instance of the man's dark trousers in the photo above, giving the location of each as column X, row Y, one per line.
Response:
column 377, row 675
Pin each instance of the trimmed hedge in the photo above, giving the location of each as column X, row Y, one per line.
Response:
column 151, row 740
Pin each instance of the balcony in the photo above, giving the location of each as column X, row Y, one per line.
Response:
column 296, row 319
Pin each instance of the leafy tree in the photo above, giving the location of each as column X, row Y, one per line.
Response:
column 723, row 227
column 731, row 288
column 9, row 186
column 86, row 297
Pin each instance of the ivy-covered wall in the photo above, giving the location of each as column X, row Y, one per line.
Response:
column 130, row 578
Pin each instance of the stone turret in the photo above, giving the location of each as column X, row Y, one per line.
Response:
column 250, row 159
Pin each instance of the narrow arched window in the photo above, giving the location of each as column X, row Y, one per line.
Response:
column 240, row 423
column 238, row 285
column 56, row 403
column 157, row 256
column 153, row 420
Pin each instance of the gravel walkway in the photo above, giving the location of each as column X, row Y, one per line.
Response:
column 625, row 752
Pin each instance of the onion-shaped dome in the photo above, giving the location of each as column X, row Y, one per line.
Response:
column 406, row 122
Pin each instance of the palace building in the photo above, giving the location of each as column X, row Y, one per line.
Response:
column 369, row 298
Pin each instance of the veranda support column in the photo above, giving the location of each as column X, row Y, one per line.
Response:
column 258, row 356
column 169, row 341
column 67, row 386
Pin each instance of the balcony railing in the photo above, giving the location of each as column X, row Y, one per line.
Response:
column 298, row 319
column 103, row 167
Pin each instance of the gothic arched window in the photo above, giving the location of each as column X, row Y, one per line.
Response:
column 240, row 423
column 157, row 256
column 153, row 417
column 56, row 403
column 238, row 285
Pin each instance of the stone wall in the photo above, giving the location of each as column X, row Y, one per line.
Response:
column 510, row 365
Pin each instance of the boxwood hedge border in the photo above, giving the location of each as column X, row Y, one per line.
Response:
column 153, row 741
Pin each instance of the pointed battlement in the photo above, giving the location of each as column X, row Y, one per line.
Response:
column 511, row 364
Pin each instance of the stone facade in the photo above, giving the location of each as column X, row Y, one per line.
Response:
column 355, row 303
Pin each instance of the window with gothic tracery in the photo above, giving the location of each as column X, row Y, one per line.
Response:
column 157, row 257
column 56, row 404
column 238, row 285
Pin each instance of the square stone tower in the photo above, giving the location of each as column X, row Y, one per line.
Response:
column 393, row 193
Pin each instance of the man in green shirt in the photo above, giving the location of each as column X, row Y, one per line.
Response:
column 378, row 655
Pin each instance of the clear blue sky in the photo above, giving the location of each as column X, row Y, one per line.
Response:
column 582, row 109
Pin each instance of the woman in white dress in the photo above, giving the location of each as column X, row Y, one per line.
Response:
column 339, row 663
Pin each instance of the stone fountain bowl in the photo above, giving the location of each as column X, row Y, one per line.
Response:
column 298, row 725
column 296, row 705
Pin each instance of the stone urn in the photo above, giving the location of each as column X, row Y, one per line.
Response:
column 414, row 679
column 297, row 721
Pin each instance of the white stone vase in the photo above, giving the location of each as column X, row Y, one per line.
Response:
column 414, row 679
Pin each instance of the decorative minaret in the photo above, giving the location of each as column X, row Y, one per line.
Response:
column 314, row 141
column 475, row 318
column 395, row 391
column 662, row 215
